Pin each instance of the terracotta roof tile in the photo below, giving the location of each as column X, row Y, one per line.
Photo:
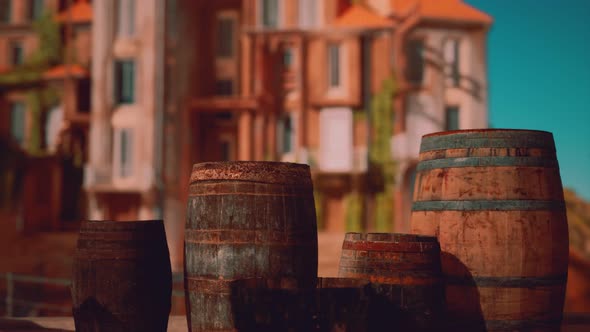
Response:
column 452, row 10
column 61, row 71
column 358, row 16
column 80, row 12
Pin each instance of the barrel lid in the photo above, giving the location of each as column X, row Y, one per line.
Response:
column 487, row 138
column 253, row 171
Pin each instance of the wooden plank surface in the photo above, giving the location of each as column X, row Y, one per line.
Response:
column 572, row 323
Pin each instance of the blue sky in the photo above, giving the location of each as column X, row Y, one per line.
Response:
column 539, row 75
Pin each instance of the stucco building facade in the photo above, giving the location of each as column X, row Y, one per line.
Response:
column 195, row 81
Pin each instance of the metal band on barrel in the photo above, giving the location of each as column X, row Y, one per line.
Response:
column 492, row 205
column 487, row 161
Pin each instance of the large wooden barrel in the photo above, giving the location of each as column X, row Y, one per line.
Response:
column 407, row 271
column 495, row 201
column 245, row 220
column 122, row 279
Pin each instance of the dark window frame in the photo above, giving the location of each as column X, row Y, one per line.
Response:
column 6, row 11
column 226, row 37
column 35, row 10
column 334, row 50
column 224, row 87
column 415, row 64
column 16, row 59
column 125, row 152
column 18, row 134
column 269, row 13
column 124, row 81
column 452, row 120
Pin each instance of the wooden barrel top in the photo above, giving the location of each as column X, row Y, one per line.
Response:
column 487, row 138
column 253, row 171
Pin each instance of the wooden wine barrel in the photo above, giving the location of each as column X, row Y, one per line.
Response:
column 407, row 271
column 495, row 201
column 246, row 220
column 122, row 279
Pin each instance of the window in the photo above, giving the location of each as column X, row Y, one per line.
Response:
column 269, row 13
column 17, row 121
column 126, row 18
column 334, row 65
column 224, row 87
column 415, row 61
column 226, row 146
column 125, row 155
column 307, row 13
column 35, row 9
column 451, row 53
column 452, row 118
column 225, row 150
column 288, row 58
column 17, row 55
column 5, row 11
column 287, row 127
column 225, row 36
column 124, row 82
column 336, row 146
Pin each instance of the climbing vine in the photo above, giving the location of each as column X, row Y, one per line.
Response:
column 38, row 97
column 380, row 159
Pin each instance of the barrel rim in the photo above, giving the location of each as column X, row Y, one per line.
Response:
column 274, row 172
column 484, row 130
column 392, row 237
column 112, row 225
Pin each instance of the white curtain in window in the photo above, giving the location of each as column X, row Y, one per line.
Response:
column 336, row 152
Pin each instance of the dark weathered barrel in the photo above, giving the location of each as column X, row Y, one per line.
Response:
column 405, row 269
column 246, row 220
column 494, row 199
column 122, row 279
column 334, row 304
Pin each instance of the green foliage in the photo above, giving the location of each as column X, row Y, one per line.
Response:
column 38, row 101
column 50, row 47
column 22, row 75
column 34, row 101
column 318, row 201
column 380, row 153
column 47, row 54
column 354, row 211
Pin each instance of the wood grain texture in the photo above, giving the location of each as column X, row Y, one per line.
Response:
column 406, row 270
column 245, row 220
column 122, row 280
column 494, row 199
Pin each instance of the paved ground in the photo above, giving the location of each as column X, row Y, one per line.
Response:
column 572, row 323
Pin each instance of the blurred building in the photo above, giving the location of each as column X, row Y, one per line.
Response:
column 179, row 82
column 44, row 106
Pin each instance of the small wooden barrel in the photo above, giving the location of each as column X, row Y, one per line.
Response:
column 122, row 279
column 335, row 304
column 406, row 271
column 494, row 199
column 246, row 220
